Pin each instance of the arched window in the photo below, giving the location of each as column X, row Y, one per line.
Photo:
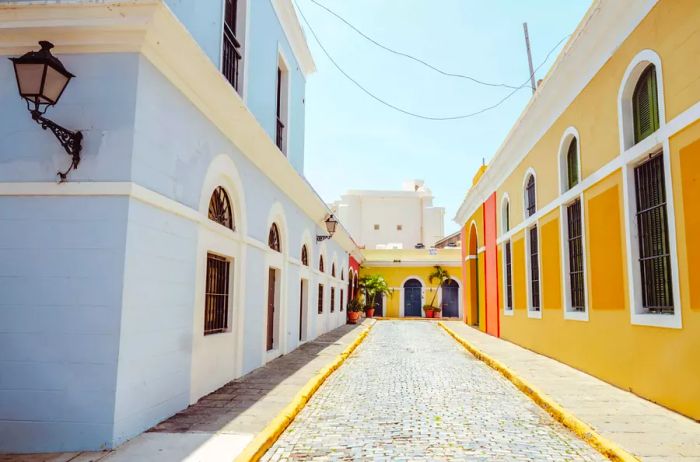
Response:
column 273, row 239
column 320, row 264
column 530, row 201
column 645, row 104
column 505, row 214
column 304, row 255
column 220, row 208
column 572, row 164
column 333, row 270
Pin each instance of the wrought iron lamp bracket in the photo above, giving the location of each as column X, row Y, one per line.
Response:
column 70, row 140
column 322, row 238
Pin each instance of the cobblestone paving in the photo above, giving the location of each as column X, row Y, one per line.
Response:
column 410, row 392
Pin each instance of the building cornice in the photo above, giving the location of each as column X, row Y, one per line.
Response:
column 289, row 20
column 149, row 27
column 604, row 27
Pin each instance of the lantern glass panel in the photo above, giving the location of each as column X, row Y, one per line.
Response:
column 54, row 85
column 29, row 79
column 330, row 226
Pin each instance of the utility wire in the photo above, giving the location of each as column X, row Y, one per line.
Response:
column 413, row 114
column 406, row 55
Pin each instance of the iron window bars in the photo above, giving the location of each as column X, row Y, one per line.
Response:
column 217, row 295
column 575, row 240
column 230, row 65
column 653, row 236
column 342, row 299
column 534, row 270
column 332, row 299
column 509, row 277
column 280, row 124
column 320, row 299
column 220, row 208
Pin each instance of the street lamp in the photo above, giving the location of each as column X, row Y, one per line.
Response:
column 41, row 79
column 331, row 224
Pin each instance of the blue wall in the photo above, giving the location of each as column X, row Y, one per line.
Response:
column 61, row 273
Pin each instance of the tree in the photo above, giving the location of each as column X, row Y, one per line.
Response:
column 440, row 275
column 374, row 285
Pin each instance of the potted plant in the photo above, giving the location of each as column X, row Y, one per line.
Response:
column 355, row 307
column 440, row 275
column 429, row 310
column 373, row 285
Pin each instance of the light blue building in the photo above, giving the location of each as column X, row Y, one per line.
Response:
column 182, row 251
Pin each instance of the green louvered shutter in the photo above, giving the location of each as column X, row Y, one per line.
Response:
column 645, row 105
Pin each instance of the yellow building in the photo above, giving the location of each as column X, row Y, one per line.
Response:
column 407, row 274
column 582, row 237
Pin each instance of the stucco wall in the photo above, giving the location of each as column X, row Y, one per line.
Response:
column 61, row 277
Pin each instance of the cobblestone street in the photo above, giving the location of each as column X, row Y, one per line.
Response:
column 410, row 392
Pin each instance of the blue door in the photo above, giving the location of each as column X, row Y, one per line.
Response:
column 412, row 300
column 450, row 299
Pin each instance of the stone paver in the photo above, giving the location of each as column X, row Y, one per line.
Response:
column 410, row 392
column 647, row 430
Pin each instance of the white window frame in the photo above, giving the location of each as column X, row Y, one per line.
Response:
column 569, row 134
column 285, row 100
column 534, row 314
column 633, row 155
column 530, row 171
column 506, row 200
column 569, row 313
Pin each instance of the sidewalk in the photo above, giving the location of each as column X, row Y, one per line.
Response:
column 647, row 430
column 220, row 425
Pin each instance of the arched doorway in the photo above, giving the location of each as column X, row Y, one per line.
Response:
column 412, row 298
column 473, row 265
column 450, row 299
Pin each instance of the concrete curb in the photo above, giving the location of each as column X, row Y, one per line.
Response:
column 265, row 439
column 603, row 445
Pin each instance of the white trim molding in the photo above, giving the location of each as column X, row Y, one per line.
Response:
column 562, row 159
column 531, row 313
column 284, row 9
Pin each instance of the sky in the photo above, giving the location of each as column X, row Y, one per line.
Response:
column 355, row 142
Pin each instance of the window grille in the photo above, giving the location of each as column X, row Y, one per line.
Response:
column 534, row 271
column 320, row 298
column 645, row 105
column 653, row 238
column 575, row 238
column 220, row 208
column 280, row 124
column 230, row 63
column 572, row 164
column 509, row 277
column 530, row 196
column 342, row 299
column 273, row 239
column 304, row 256
column 216, row 295
column 332, row 299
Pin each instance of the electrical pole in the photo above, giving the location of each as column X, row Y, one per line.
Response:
column 529, row 58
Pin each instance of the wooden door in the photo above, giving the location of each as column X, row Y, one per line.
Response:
column 271, row 309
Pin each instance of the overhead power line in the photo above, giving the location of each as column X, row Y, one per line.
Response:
column 410, row 113
column 406, row 55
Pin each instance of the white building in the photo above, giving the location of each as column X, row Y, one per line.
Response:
column 182, row 253
column 397, row 219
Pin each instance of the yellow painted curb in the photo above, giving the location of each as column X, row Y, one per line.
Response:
column 603, row 445
column 267, row 437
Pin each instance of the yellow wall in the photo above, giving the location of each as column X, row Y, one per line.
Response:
column 661, row 364
column 396, row 275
